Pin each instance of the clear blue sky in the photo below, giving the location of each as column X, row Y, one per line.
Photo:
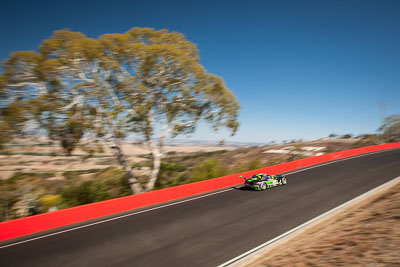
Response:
column 299, row 69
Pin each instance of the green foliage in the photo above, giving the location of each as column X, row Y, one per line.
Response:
column 346, row 136
column 198, row 167
column 115, row 181
column 169, row 167
column 8, row 198
column 141, row 164
column 70, row 135
column 45, row 193
column 85, row 193
column 171, row 174
column 255, row 164
column 106, row 87
column 107, row 184
column 20, row 194
column 18, row 176
column 210, row 168
column 331, row 150
column 244, row 150
column 247, row 166
column 390, row 129
column 369, row 140
column 12, row 119
column 49, row 201
column 168, row 179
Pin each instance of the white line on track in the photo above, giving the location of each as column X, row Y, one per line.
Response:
column 115, row 218
column 174, row 203
column 237, row 261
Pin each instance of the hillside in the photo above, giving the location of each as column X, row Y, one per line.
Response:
column 36, row 177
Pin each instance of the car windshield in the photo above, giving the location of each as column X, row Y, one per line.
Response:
column 256, row 176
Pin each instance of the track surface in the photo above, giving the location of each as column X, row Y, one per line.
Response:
column 211, row 230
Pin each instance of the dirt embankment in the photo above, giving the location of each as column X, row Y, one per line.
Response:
column 364, row 234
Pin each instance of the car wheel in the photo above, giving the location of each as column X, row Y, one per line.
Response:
column 283, row 180
column 263, row 186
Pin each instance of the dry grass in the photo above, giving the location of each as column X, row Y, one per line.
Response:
column 365, row 234
column 51, row 158
column 40, row 155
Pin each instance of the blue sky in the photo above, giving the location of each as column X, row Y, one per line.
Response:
column 299, row 69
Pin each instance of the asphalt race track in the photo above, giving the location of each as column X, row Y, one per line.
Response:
column 211, row 230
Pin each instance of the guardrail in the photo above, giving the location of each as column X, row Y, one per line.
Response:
column 46, row 221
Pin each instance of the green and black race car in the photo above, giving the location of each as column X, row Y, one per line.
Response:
column 263, row 181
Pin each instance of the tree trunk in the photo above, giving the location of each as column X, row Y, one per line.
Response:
column 116, row 148
column 156, row 154
column 133, row 182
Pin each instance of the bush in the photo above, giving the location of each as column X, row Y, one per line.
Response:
column 173, row 180
column 248, row 166
column 368, row 140
column 169, row 167
column 85, row 193
column 255, row 164
column 390, row 129
column 347, row 136
column 49, row 201
column 8, row 198
column 210, row 168
column 171, row 175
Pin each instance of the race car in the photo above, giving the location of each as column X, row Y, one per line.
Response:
column 263, row 181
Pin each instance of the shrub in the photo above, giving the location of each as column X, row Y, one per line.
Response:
column 169, row 167
column 210, row 168
column 48, row 201
column 171, row 174
column 390, row 129
column 254, row 164
column 85, row 193
column 368, row 140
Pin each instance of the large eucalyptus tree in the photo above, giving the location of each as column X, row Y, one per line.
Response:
column 143, row 81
